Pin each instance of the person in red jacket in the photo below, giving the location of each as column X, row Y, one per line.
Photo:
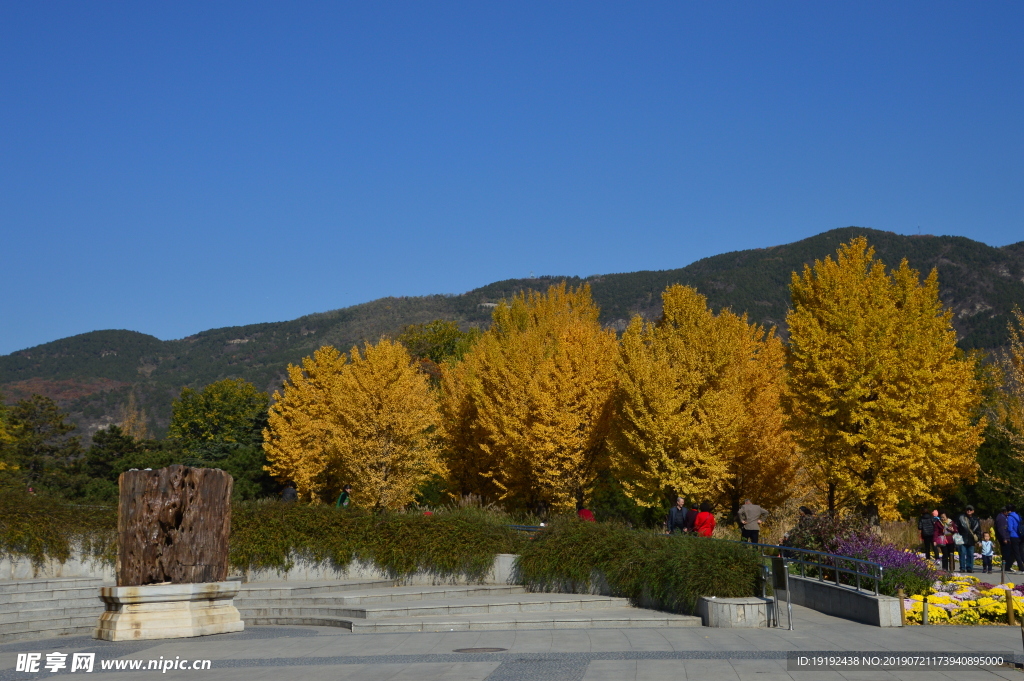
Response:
column 704, row 525
column 584, row 513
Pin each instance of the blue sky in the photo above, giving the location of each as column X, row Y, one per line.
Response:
column 172, row 167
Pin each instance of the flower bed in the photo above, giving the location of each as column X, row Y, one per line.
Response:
column 965, row 600
column 854, row 537
column 902, row 569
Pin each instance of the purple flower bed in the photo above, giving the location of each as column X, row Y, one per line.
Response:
column 984, row 586
column 852, row 536
column 889, row 556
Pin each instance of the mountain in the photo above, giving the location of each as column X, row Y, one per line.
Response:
column 92, row 373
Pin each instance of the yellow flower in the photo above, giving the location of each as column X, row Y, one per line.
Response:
column 964, row 616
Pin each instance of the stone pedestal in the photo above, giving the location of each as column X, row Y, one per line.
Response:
column 136, row 613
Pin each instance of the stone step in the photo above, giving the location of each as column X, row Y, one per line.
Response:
column 257, row 598
column 94, row 608
column 26, row 585
column 292, row 589
column 28, row 597
column 46, row 626
column 434, row 608
column 612, row 618
column 40, row 634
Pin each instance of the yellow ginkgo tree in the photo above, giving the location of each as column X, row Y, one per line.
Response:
column 528, row 410
column 699, row 410
column 883, row 403
column 365, row 420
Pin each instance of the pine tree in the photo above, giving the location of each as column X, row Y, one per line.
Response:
column 882, row 399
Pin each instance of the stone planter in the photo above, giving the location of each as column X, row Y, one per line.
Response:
column 734, row 613
column 168, row 611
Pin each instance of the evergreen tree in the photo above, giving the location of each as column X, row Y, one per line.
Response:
column 109, row 448
column 43, row 447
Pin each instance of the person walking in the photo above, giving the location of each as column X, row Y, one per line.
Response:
column 704, row 524
column 344, row 498
column 751, row 516
column 926, row 524
column 1003, row 537
column 944, row 531
column 1013, row 537
column 986, row 553
column 677, row 517
column 970, row 534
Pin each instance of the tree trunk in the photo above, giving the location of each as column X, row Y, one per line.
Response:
column 173, row 526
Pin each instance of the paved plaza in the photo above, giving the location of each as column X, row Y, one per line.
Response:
column 272, row 653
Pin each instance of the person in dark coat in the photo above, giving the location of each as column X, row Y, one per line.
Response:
column 677, row 516
column 970, row 532
column 691, row 519
column 288, row 494
column 926, row 524
column 1003, row 537
column 1013, row 535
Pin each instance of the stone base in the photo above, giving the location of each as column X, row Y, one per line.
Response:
column 137, row 613
column 751, row 612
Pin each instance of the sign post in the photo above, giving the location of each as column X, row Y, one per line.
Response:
column 780, row 572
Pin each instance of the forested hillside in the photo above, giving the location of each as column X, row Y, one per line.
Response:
column 91, row 374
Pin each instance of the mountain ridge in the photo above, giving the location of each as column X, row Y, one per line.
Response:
column 90, row 374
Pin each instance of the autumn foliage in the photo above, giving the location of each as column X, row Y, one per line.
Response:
column 882, row 399
column 528, row 410
column 868, row 403
column 363, row 419
column 699, row 407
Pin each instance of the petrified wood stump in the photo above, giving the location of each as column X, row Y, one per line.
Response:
column 173, row 526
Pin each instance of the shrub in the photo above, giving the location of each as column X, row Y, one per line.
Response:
column 41, row 528
column 267, row 535
column 672, row 571
column 824, row 532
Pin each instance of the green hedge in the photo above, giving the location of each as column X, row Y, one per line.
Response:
column 672, row 571
column 266, row 535
column 41, row 528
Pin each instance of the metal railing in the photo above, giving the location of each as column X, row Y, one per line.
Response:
column 822, row 563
